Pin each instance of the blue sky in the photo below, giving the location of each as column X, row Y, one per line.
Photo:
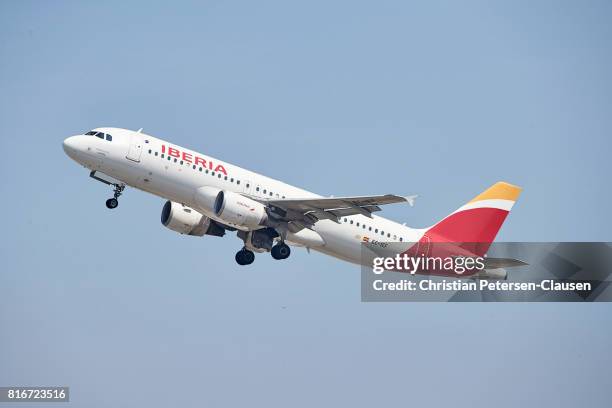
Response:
column 439, row 99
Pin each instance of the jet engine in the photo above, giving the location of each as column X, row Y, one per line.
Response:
column 238, row 210
column 185, row 220
column 205, row 198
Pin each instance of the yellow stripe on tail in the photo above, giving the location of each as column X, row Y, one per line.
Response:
column 499, row 191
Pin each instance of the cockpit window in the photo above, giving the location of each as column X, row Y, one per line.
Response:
column 101, row 135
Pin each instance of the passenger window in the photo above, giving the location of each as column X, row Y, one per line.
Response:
column 357, row 224
column 264, row 191
column 351, row 221
column 237, row 181
column 181, row 162
column 170, row 158
column 388, row 235
column 248, row 185
column 225, row 178
column 219, row 175
column 270, row 194
column 401, row 239
column 363, row 226
column 149, row 151
column 257, row 189
column 155, row 153
column 370, row 228
column 376, row 230
column 200, row 169
column 175, row 160
column 212, row 173
column 194, row 166
column 232, row 180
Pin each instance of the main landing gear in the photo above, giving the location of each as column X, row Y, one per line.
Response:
column 281, row 251
column 117, row 189
column 261, row 241
column 245, row 257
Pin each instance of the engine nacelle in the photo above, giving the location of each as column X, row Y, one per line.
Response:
column 185, row 220
column 238, row 210
column 205, row 198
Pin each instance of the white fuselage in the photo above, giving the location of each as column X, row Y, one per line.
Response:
column 147, row 163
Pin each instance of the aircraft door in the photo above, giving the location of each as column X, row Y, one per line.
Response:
column 135, row 149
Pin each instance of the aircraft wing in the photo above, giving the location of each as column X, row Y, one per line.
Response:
column 301, row 213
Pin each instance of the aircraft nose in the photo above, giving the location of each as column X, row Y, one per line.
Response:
column 69, row 143
column 71, row 146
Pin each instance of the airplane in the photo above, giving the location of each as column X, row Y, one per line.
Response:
column 207, row 196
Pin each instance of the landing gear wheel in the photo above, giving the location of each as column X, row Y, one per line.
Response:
column 245, row 257
column 112, row 203
column 281, row 251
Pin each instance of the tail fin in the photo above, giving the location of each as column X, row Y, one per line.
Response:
column 479, row 220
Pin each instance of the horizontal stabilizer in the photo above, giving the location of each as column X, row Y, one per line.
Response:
column 494, row 263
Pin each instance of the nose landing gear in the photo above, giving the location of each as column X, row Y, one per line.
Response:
column 117, row 190
column 112, row 203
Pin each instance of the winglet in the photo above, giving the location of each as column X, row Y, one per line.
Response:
column 410, row 199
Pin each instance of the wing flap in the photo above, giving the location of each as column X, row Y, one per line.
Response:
column 339, row 202
column 306, row 211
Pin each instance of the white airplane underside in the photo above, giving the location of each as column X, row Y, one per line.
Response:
column 209, row 197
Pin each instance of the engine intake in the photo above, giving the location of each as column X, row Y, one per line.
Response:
column 185, row 220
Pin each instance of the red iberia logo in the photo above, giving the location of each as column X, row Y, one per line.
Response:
column 190, row 158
